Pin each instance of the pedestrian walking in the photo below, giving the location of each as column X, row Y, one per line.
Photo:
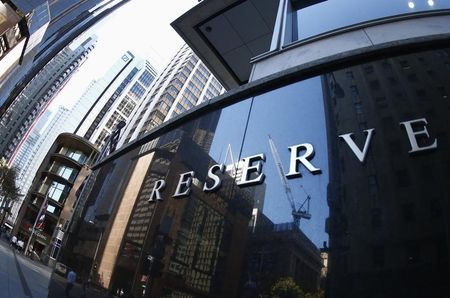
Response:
column 20, row 245
column 13, row 241
column 71, row 277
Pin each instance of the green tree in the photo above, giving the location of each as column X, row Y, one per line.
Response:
column 9, row 191
column 285, row 287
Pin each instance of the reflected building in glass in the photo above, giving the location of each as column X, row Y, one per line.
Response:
column 400, row 213
column 323, row 170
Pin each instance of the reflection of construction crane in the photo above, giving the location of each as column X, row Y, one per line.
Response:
column 297, row 213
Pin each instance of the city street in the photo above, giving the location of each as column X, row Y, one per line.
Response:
column 21, row 277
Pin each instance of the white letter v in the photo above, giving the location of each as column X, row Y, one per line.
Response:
column 361, row 155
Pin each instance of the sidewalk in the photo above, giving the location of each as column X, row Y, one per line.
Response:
column 58, row 284
column 20, row 276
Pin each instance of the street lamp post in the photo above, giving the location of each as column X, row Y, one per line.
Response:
column 33, row 230
column 91, row 271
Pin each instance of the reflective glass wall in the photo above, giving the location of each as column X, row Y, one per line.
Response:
column 333, row 186
column 311, row 18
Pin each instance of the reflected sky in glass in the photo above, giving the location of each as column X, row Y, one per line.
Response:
column 334, row 14
column 292, row 115
column 230, row 132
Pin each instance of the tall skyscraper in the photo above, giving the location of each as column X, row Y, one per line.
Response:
column 25, row 152
column 99, row 91
column 183, row 84
column 117, row 101
column 29, row 162
column 94, row 100
column 19, row 118
column 52, row 25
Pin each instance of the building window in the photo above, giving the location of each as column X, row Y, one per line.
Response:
column 137, row 90
column 67, row 173
column 358, row 108
column 58, row 191
column 51, row 208
column 76, row 155
column 146, row 78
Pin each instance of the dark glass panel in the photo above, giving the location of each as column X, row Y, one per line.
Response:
column 334, row 14
column 374, row 228
column 288, row 226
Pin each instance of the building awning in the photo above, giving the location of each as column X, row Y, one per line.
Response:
column 227, row 34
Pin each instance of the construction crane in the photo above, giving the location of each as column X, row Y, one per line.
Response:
column 297, row 213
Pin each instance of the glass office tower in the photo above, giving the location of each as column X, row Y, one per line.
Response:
column 338, row 136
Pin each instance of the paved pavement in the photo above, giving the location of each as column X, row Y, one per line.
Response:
column 21, row 277
column 58, row 284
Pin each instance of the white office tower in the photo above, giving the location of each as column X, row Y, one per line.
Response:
column 42, row 141
column 18, row 119
column 99, row 96
column 112, row 101
column 183, row 84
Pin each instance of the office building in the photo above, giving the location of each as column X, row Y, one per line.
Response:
column 184, row 83
column 23, row 161
column 356, row 104
column 54, row 25
column 22, row 158
column 117, row 102
column 53, row 193
column 19, row 118
column 41, row 141
column 96, row 95
column 35, row 147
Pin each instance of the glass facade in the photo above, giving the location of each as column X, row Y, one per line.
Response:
column 336, row 185
column 309, row 21
column 76, row 155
